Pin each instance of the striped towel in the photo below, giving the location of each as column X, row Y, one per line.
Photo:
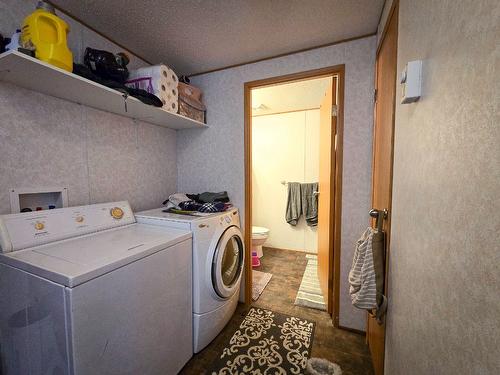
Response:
column 363, row 288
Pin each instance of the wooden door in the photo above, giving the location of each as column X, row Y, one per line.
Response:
column 383, row 139
column 328, row 125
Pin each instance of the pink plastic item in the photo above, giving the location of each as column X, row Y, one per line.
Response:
column 255, row 260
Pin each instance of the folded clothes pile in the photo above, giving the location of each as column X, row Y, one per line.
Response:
column 205, row 202
column 208, row 197
column 203, row 207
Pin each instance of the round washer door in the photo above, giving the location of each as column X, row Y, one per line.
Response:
column 227, row 263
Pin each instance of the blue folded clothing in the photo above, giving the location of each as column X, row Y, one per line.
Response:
column 189, row 206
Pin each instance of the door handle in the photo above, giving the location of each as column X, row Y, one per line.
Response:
column 315, row 193
column 379, row 216
column 376, row 213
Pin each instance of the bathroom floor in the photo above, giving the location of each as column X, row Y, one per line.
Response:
column 346, row 348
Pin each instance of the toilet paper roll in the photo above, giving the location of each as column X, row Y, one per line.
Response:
column 159, row 80
column 171, row 106
column 170, row 100
column 173, row 77
column 158, row 73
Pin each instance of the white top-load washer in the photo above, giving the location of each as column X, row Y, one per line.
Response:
column 218, row 257
column 87, row 290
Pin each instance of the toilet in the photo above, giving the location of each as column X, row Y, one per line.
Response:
column 259, row 237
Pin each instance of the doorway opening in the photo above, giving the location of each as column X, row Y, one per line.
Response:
column 293, row 180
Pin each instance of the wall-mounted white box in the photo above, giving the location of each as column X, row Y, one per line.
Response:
column 33, row 198
column 411, row 81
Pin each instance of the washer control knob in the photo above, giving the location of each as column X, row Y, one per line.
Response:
column 79, row 219
column 39, row 225
column 116, row 213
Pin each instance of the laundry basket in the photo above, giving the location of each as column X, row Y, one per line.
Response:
column 320, row 366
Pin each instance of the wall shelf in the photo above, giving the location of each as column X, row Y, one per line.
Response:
column 33, row 74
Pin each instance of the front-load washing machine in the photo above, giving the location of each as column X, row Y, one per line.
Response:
column 218, row 257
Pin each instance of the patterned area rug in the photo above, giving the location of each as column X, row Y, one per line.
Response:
column 259, row 283
column 267, row 343
column 309, row 294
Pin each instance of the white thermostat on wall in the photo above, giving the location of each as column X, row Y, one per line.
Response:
column 411, row 81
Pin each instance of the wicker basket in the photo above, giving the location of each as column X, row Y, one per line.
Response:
column 188, row 110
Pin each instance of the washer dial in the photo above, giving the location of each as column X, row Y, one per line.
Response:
column 116, row 213
column 39, row 225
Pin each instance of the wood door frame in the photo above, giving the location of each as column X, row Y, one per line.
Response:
column 336, row 173
column 394, row 8
column 394, row 5
column 393, row 12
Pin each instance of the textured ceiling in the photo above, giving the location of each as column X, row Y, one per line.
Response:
column 198, row 35
column 287, row 97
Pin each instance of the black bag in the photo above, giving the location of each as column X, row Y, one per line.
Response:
column 105, row 65
column 3, row 43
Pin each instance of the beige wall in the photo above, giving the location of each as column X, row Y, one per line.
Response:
column 45, row 141
column 444, row 283
column 276, row 158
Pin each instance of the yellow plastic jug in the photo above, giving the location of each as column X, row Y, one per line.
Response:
column 48, row 34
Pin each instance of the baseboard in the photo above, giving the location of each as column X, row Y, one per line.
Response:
column 353, row 330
